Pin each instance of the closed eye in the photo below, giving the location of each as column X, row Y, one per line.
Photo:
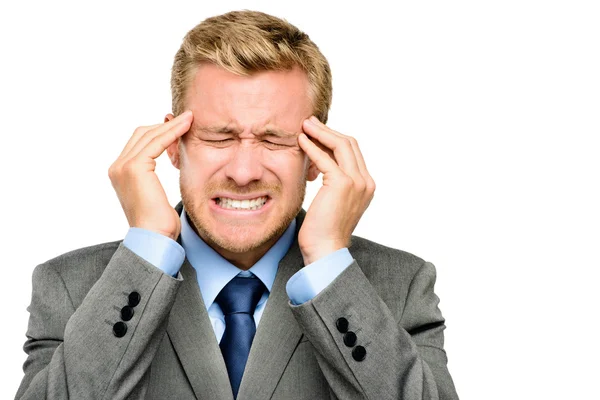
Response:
column 222, row 143
column 218, row 141
column 274, row 145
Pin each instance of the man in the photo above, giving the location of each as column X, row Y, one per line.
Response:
column 237, row 292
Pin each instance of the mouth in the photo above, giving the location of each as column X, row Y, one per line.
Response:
column 242, row 205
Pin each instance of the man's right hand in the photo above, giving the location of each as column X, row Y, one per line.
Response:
column 135, row 181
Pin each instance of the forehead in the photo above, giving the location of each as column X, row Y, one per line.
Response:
column 266, row 96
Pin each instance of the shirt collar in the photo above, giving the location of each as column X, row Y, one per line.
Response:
column 214, row 272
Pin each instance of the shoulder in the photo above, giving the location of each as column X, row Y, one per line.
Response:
column 375, row 258
column 76, row 270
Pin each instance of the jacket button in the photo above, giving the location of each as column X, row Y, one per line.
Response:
column 120, row 329
column 350, row 339
column 359, row 353
column 342, row 325
column 134, row 299
column 126, row 313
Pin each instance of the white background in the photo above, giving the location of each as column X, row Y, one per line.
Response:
column 479, row 121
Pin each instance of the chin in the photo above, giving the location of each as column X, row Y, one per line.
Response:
column 240, row 239
column 223, row 232
column 236, row 236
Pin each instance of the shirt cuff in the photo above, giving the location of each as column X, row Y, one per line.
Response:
column 305, row 284
column 159, row 250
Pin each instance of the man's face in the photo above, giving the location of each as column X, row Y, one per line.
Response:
column 242, row 174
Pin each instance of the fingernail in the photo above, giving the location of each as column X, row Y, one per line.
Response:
column 315, row 120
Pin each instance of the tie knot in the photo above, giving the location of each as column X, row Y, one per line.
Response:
column 240, row 295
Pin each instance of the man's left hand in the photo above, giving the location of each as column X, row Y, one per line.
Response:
column 345, row 195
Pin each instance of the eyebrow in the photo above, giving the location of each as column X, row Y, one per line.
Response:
column 271, row 131
column 213, row 129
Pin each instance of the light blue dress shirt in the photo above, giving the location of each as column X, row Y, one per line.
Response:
column 214, row 272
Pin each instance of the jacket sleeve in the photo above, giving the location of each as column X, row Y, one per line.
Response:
column 366, row 351
column 93, row 350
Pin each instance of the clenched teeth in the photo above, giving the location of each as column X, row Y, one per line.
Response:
column 253, row 204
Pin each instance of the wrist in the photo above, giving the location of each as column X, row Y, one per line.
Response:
column 171, row 234
column 315, row 253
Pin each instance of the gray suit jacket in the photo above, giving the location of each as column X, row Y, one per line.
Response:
column 169, row 350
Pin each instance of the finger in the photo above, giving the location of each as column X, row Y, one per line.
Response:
column 159, row 143
column 369, row 182
column 322, row 160
column 148, row 135
column 359, row 157
column 137, row 134
column 358, row 154
column 182, row 121
column 342, row 148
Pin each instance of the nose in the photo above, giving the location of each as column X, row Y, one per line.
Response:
column 245, row 165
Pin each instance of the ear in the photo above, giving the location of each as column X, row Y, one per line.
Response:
column 313, row 172
column 173, row 149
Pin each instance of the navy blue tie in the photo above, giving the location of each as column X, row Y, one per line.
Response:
column 238, row 299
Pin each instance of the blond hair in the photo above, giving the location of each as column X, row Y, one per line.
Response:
column 244, row 42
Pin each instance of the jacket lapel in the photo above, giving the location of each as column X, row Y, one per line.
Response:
column 278, row 333
column 194, row 341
